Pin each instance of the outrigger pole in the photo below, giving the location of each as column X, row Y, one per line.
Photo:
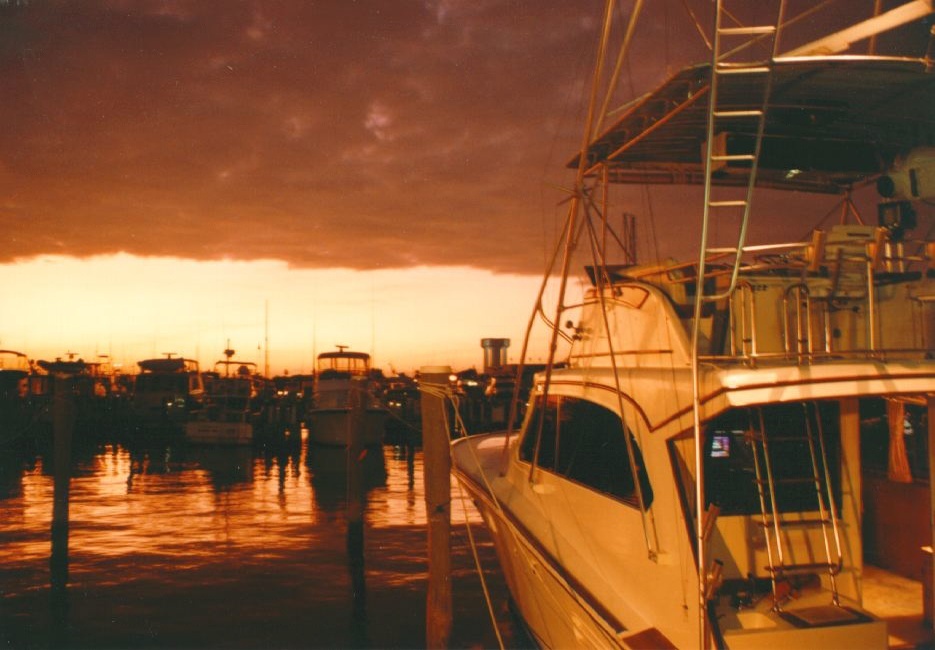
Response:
column 569, row 235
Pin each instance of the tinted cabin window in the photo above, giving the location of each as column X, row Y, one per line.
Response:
column 585, row 443
column 732, row 454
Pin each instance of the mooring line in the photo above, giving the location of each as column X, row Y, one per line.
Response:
column 480, row 570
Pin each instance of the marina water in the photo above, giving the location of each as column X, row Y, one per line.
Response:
column 176, row 546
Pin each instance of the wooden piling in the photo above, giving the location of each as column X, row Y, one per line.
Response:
column 437, row 479
column 356, row 491
column 355, row 451
column 62, row 424
column 63, row 416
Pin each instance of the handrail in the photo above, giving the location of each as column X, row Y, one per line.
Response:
column 853, row 354
column 803, row 339
column 744, row 291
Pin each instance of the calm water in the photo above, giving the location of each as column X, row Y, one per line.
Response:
column 182, row 547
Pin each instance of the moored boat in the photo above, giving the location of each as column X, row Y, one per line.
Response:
column 99, row 403
column 232, row 406
column 690, row 474
column 14, row 369
column 167, row 392
column 341, row 378
column 16, row 412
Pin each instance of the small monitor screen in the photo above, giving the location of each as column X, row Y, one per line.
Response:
column 720, row 446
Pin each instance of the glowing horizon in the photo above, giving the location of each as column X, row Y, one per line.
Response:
column 132, row 308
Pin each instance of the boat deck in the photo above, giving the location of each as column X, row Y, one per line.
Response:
column 898, row 601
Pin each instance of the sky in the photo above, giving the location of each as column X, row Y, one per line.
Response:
column 290, row 175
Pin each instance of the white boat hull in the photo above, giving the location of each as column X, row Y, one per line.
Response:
column 555, row 609
column 206, row 432
column 573, row 590
column 330, row 427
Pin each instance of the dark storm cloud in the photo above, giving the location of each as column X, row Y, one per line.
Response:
column 373, row 133
column 322, row 133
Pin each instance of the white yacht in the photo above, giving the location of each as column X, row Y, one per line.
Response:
column 342, row 376
column 690, row 474
column 232, row 404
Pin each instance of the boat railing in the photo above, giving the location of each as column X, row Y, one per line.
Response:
column 848, row 294
column 828, row 298
column 744, row 323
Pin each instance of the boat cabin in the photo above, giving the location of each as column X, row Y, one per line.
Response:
column 343, row 364
column 167, row 390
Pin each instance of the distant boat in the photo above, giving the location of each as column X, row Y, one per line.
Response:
column 404, row 410
column 167, row 393
column 231, row 405
column 340, row 377
column 328, row 474
column 14, row 370
column 99, row 403
column 15, row 407
column 691, row 476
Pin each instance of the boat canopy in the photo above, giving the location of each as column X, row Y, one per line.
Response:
column 169, row 364
column 72, row 367
column 825, row 131
column 240, row 368
column 343, row 361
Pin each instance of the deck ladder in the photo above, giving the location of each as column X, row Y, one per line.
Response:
column 724, row 115
column 806, row 451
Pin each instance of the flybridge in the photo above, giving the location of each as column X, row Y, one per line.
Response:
column 823, row 132
column 819, row 119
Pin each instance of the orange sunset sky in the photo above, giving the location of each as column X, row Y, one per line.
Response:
column 385, row 175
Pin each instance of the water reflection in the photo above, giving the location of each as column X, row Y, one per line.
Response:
column 175, row 546
column 328, row 473
column 225, row 466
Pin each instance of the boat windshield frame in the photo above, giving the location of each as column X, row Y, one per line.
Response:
column 354, row 363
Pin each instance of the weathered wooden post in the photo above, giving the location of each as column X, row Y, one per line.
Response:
column 355, row 505
column 437, row 476
column 63, row 416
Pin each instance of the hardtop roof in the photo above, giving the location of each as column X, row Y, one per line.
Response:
column 832, row 123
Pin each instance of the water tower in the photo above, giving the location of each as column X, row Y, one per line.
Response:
column 494, row 353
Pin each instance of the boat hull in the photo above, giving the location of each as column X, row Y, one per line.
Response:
column 615, row 598
column 554, row 611
column 330, row 427
column 219, row 433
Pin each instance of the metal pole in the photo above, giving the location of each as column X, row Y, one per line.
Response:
column 930, row 406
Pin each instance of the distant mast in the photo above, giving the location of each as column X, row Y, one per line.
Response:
column 266, row 338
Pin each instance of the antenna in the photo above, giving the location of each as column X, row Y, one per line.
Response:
column 266, row 340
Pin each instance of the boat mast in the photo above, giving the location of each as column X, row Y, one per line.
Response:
column 266, row 339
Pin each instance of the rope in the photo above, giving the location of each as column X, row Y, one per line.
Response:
column 445, row 394
column 480, row 570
